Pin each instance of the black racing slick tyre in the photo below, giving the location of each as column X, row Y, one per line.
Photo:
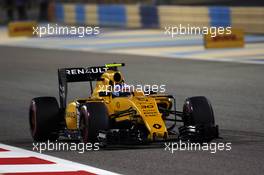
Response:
column 93, row 119
column 198, row 110
column 198, row 119
column 44, row 118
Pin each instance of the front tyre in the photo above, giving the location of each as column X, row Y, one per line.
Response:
column 93, row 119
column 44, row 118
column 198, row 119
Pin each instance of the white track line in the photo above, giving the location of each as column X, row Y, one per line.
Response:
column 61, row 164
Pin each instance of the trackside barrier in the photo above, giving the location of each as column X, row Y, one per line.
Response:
column 149, row 16
column 80, row 13
column 51, row 11
column 219, row 16
column 175, row 15
column 250, row 19
column 59, row 13
column 70, row 13
column 133, row 16
column 91, row 15
column 112, row 15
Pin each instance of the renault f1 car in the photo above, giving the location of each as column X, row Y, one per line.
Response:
column 108, row 118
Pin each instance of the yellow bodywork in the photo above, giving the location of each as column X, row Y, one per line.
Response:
column 71, row 116
column 146, row 107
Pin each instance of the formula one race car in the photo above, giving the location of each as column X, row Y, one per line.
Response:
column 109, row 117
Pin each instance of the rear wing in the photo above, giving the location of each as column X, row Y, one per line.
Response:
column 68, row 75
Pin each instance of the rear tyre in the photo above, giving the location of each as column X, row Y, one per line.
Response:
column 94, row 118
column 44, row 118
column 199, row 122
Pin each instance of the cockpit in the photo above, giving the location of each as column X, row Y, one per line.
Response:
column 121, row 90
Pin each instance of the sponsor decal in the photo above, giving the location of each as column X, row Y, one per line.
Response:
column 83, row 71
column 21, row 28
column 157, row 126
column 147, row 106
column 225, row 40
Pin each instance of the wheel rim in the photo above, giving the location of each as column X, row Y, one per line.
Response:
column 187, row 109
column 33, row 119
column 84, row 126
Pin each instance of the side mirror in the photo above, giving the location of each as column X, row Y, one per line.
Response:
column 104, row 94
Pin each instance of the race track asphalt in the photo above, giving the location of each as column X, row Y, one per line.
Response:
column 236, row 92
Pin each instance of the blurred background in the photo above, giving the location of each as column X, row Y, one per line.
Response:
column 139, row 26
column 244, row 14
column 133, row 31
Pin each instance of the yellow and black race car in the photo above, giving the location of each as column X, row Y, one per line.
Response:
column 108, row 117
